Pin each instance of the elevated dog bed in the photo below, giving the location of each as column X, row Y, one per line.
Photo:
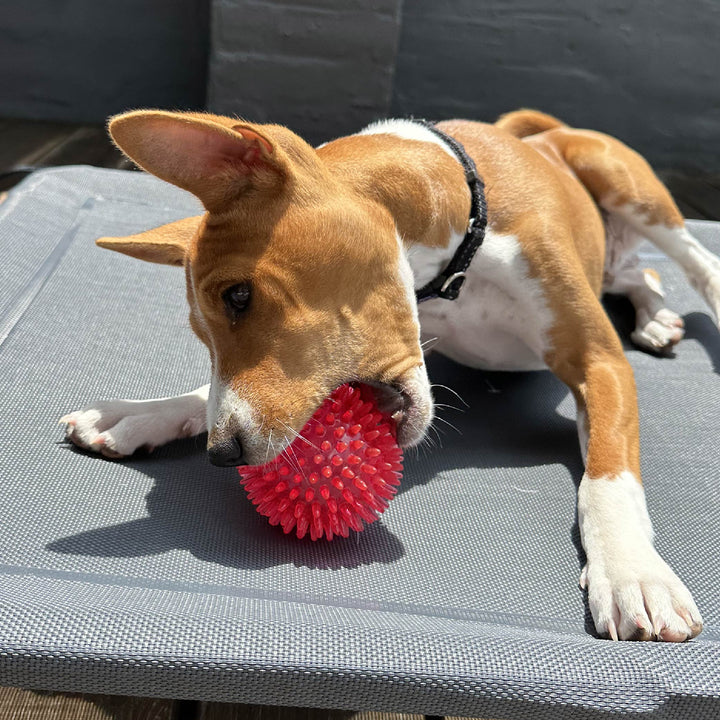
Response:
column 155, row 576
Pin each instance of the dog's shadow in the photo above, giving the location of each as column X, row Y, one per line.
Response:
column 202, row 509
column 700, row 326
column 513, row 420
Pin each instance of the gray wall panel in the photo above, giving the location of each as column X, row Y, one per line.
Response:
column 646, row 72
column 323, row 68
column 82, row 60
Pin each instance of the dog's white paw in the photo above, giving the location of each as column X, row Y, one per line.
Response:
column 640, row 598
column 632, row 592
column 117, row 428
column 660, row 332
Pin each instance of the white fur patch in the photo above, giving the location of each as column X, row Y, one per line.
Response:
column 621, row 242
column 420, row 415
column 230, row 415
column 657, row 328
column 501, row 319
column 631, row 589
column 407, row 278
column 406, row 129
column 428, row 262
column 700, row 265
column 117, row 428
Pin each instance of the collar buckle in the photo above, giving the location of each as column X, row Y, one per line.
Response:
column 449, row 281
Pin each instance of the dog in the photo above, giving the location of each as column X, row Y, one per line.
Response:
column 302, row 273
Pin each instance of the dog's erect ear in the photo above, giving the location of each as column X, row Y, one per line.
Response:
column 166, row 244
column 216, row 159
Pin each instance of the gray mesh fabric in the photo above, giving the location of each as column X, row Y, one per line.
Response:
column 155, row 576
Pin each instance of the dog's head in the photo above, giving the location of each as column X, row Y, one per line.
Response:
column 296, row 282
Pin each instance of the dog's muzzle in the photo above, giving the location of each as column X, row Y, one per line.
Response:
column 227, row 452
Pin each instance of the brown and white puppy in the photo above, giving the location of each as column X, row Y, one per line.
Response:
column 301, row 276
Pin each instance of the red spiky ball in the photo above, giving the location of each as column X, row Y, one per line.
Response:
column 342, row 470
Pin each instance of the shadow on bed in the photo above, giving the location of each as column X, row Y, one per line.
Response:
column 511, row 419
column 700, row 326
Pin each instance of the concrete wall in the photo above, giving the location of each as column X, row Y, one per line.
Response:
column 322, row 67
column 82, row 60
column 644, row 71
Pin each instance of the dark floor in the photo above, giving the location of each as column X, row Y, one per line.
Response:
column 28, row 144
column 18, row 704
column 25, row 144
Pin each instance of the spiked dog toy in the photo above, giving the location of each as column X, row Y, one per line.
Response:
column 341, row 470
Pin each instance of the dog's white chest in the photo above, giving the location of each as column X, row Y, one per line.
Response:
column 499, row 321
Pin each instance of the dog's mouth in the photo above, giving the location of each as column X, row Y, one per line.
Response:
column 409, row 403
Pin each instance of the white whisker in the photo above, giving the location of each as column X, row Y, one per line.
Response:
column 297, row 435
column 267, row 449
column 438, row 433
column 443, row 420
column 445, row 387
column 296, row 467
column 449, row 407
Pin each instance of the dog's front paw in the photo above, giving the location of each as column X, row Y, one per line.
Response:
column 640, row 598
column 110, row 428
column 632, row 592
column 117, row 428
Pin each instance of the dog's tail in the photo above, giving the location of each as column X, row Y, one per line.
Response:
column 522, row 123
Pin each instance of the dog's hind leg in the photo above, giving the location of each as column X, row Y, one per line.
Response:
column 117, row 428
column 623, row 184
column 657, row 328
column 632, row 592
column 701, row 267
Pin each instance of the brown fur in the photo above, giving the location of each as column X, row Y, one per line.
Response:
column 522, row 123
column 533, row 197
column 315, row 231
column 166, row 245
column 361, row 159
column 283, row 221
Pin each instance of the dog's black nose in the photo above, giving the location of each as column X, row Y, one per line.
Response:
column 226, row 453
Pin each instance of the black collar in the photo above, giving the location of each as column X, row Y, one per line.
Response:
column 448, row 283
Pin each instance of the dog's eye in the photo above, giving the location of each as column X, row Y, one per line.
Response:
column 236, row 299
